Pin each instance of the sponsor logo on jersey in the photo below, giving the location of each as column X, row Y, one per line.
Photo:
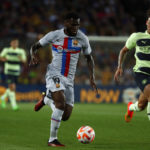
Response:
column 143, row 42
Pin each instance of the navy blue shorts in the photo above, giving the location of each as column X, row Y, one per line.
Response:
column 11, row 79
column 141, row 80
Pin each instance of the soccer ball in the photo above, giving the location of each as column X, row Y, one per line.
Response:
column 85, row 134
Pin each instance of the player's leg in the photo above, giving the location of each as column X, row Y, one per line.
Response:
column 59, row 101
column 56, row 87
column 140, row 104
column 57, row 113
column 148, row 110
column 143, row 82
column 40, row 103
column 137, row 106
column 3, row 98
column 46, row 99
column 8, row 80
column 69, row 95
column 5, row 95
column 67, row 112
column 11, row 81
column 12, row 96
column 147, row 94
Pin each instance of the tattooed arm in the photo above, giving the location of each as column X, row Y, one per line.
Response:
column 33, row 52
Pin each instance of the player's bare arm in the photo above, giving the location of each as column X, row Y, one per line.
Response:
column 21, row 59
column 33, row 52
column 90, row 63
column 119, row 70
column 3, row 59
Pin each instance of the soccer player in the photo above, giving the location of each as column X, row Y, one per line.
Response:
column 67, row 43
column 141, row 42
column 12, row 57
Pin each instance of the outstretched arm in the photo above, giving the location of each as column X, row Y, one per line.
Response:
column 119, row 70
column 90, row 63
column 33, row 52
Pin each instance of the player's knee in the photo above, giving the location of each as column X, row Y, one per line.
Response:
column 65, row 117
column 12, row 87
column 60, row 105
column 147, row 91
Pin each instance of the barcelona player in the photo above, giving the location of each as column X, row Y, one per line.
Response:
column 66, row 43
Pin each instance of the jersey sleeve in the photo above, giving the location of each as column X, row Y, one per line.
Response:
column 86, row 47
column 24, row 56
column 131, row 41
column 3, row 53
column 47, row 39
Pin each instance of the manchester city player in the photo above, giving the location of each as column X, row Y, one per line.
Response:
column 141, row 42
column 13, row 57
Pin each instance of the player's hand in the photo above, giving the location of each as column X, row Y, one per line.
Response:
column 118, row 74
column 34, row 60
column 92, row 82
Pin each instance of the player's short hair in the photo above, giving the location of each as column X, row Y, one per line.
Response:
column 70, row 15
column 148, row 13
column 14, row 39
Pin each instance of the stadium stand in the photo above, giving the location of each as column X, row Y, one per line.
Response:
column 100, row 18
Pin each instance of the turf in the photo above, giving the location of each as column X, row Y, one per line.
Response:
column 29, row 130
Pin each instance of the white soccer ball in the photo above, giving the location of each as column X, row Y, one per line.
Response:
column 85, row 134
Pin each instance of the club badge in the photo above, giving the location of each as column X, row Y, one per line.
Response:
column 75, row 42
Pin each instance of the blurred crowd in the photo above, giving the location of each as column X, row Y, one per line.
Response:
column 106, row 60
column 29, row 20
column 98, row 17
column 105, row 57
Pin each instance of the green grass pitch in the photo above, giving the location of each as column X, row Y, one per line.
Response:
column 29, row 130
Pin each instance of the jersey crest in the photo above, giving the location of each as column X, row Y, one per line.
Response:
column 75, row 42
